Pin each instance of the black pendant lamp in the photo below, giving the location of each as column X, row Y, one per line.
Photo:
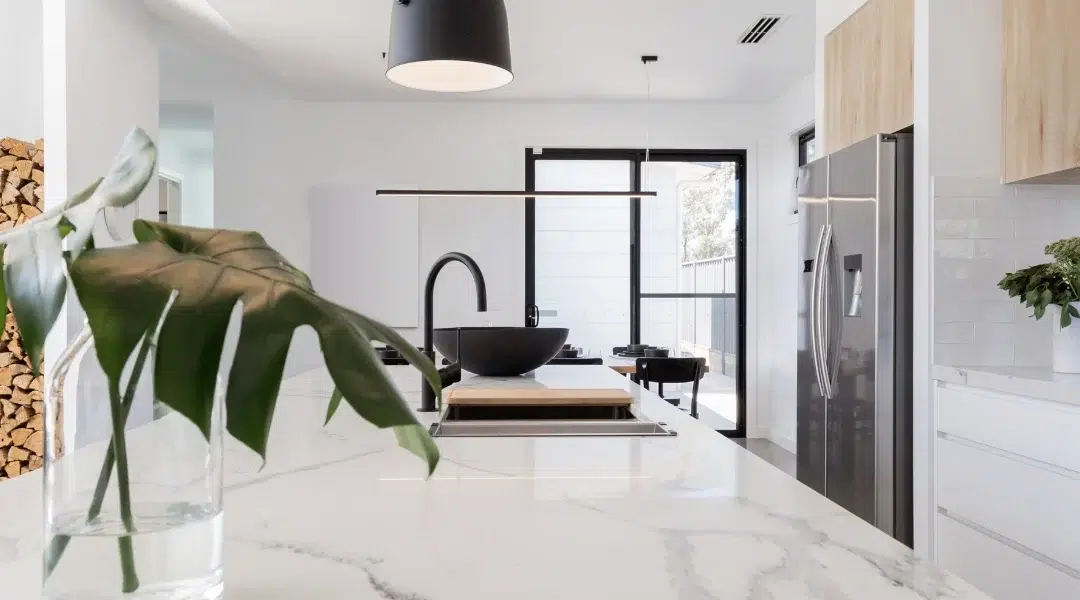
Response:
column 449, row 45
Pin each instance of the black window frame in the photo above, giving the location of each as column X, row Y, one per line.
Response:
column 637, row 158
column 804, row 139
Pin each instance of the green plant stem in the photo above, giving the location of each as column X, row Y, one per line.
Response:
column 59, row 543
column 123, row 484
column 110, row 454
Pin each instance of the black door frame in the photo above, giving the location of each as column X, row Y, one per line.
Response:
column 637, row 157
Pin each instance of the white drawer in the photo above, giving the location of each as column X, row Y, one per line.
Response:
column 1045, row 431
column 1034, row 507
column 997, row 569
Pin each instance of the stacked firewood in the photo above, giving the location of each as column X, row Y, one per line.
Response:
column 22, row 181
column 22, row 399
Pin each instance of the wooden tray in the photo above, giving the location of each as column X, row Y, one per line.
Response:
column 538, row 396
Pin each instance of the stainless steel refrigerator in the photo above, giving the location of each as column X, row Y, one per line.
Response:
column 854, row 364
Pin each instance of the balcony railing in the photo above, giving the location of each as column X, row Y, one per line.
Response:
column 712, row 275
column 709, row 326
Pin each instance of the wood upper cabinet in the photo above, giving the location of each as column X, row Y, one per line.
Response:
column 1040, row 132
column 870, row 73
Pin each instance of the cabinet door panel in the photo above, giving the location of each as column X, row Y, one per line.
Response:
column 997, row 569
column 1040, row 132
column 869, row 73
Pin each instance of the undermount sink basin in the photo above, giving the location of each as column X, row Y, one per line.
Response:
column 545, row 421
column 501, row 351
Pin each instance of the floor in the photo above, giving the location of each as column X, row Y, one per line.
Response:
column 717, row 408
column 717, row 400
column 771, row 453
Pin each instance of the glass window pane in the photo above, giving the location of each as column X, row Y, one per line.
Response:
column 688, row 235
column 583, row 253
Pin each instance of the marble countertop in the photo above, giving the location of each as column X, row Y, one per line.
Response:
column 1032, row 382
column 341, row 513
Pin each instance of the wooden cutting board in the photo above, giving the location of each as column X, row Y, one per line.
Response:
column 537, row 397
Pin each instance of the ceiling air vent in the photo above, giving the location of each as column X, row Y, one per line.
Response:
column 755, row 34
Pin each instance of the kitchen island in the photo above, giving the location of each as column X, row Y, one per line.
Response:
column 341, row 513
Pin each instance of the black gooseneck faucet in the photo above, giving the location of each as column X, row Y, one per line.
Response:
column 452, row 373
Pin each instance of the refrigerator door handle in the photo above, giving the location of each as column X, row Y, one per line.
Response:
column 836, row 315
column 825, row 315
column 817, row 344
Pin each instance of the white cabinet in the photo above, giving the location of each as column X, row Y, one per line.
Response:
column 997, row 568
column 1032, row 506
column 1007, row 471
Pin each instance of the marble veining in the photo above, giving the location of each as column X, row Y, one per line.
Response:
column 341, row 513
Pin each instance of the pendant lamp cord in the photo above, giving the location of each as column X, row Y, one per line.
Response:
column 647, row 60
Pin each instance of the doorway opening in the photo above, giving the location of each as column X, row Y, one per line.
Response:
column 667, row 271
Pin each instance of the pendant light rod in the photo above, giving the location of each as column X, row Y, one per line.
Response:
column 646, row 60
column 512, row 194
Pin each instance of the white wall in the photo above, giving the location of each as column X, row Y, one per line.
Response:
column 776, row 238
column 269, row 151
column 830, row 13
column 21, row 110
column 100, row 79
column 189, row 154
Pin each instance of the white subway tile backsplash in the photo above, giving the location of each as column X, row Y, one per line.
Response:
column 1033, row 342
column 954, row 311
column 952, row 229
column 995, row 207
column 1039, row 228
column 995, row 343
column 946, row 187
column 982, row 231
column 955, row 333
column 1027, row 193
column 978, row 278
column 1003, row 249
column 947, row 248
column 1028, row 256
column 992, row 228
column 954, row 208
column 1001, row 309
column 1070, row 209
column 1021, row 312
column 953, row 354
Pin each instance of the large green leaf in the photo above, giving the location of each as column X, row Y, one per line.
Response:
column 34, row 278
column 212, row 270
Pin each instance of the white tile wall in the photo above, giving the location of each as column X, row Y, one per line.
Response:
column 982, row 230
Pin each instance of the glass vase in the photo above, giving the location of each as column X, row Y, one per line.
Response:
column 133, row 490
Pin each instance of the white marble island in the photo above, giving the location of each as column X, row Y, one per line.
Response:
column 342, row 513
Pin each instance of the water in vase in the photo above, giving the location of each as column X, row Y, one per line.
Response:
column 176, row 552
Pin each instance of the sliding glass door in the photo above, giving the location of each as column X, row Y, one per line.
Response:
column 665, row 271
column 582, row 253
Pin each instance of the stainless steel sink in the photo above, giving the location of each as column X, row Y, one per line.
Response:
column 544, row 421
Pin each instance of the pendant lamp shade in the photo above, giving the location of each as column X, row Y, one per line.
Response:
column 449, row 45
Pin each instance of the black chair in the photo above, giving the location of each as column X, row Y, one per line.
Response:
column 672, row 370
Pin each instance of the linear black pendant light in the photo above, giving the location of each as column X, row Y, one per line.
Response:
column 449, row 45
column 513, row 194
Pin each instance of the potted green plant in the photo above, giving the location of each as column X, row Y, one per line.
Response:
column 138, row 512
column 1054, row 287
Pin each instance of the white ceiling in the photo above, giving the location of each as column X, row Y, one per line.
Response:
column 562, row 49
